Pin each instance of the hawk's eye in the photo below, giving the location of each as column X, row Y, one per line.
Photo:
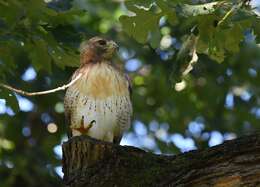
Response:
column 102, row 42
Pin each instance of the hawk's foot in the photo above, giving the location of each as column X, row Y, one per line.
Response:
column 83, row 129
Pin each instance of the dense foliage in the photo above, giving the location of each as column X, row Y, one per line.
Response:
column 194, row 67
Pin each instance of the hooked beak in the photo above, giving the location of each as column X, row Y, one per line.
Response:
column 113, row 45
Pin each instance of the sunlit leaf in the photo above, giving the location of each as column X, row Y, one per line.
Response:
column 195, row 10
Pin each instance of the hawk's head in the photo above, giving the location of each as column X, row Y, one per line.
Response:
column 97, row 49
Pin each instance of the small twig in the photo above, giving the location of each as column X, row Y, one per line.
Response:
column 230, row 12
column 226, row 15
column 42, row 92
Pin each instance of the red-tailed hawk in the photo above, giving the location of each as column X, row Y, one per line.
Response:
column 98, row 104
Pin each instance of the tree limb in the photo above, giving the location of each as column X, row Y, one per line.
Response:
column 88, row 162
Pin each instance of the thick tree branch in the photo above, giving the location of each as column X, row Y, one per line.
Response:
column 88, row 162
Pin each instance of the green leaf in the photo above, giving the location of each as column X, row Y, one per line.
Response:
column 39, row 55
column 168, row 11
column 8, row 52
column 64, row 58
column 210, row 49
column 65, row 17
column 155, row 38
column 242, row 15
column 232, row 39
column 217, row 54
column 127, row 24
column 10, row 12
column 216, row 41
column 202, row 46
column 145, row 22
column 206, row 27
column 140, row 25
column 6, row 56
column 256, row 28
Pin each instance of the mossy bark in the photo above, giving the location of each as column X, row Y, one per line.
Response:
column 88, row 162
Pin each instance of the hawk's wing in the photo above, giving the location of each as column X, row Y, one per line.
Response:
column 129, row 84
column 68, row 103
column 124, row 118
column 67, row 112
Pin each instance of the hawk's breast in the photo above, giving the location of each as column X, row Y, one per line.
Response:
column 102, row 95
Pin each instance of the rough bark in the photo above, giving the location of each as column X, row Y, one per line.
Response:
column 88, row 162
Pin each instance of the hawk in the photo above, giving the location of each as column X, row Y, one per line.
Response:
column 98, row 104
